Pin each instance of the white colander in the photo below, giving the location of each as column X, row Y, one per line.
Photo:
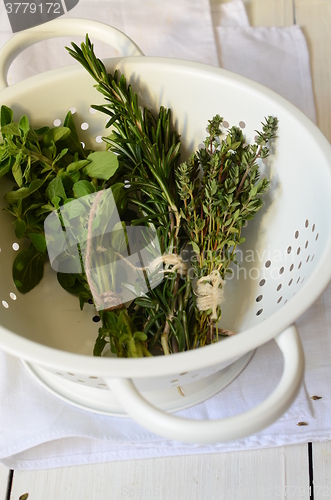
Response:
column 285, row 261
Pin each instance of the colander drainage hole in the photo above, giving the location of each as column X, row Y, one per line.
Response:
column 242, row 124
column 72, row 110
column 290, row 282
column 92, row 111
column 279, row 287
column 308, row 258
column 57, row 122
column 289, row 249
column 12, row 296
column 90, row 301
column 291, row 267
column 268, row 263
column 96, row 319
column 298, row 251
column 300, row 264
column 307, row 223
column 98, row 139
column 313, row 228
column 281, row 270
column 296, row 235
column 84, row 126
column 259, row 298
column 317, row 235
column 259, row 312
column 279, row 300
column 307, row 243
column 225, row 124
column 15, row 246
column 262, row 282
column 5, row 304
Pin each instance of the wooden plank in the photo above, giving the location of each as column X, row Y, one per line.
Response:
column 314, row 17
column 322, row 470
column 4, row 474
column 256, row 475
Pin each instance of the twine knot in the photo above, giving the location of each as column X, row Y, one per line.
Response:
column 210, row 293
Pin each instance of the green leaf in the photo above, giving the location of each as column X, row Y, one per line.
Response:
column 38, row 241
column 20, row 228
column 84, row 297
column 6, row 116
column 10, row 129
column 99, row 346
column 73, row 209
column 103, row 165
column 71, row 283
column 55, row 134
column 139, row 336
column 28, row 269
column 17, row 173
column 195, row 248
column 119, row 238
column 56, row 188
column 77, row 165
column 72, row 141
column 83, row 188
column 24, row 192
column 24, row 124
column 5, row 167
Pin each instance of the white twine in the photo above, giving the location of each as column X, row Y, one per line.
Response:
column 111, row 299
column 210, row 293
column 172, row 259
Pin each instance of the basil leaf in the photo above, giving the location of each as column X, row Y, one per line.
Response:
column 28, row 269
column 83, row 188
column 56, row 188
column 24, row 192
column 103, row 165
column 38, row 241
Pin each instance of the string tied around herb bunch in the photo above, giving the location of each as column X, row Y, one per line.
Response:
column 110, row 299
column 209, row 292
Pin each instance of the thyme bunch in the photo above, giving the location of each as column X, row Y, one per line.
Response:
column 217, row 206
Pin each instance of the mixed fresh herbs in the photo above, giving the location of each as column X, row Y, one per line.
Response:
column 199, row 205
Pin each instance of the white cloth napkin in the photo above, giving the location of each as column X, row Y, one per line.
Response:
column 39, row 431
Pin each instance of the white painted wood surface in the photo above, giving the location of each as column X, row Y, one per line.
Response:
column 4, row 472
column 277, row 473
column 322, row 470
column 250, row 475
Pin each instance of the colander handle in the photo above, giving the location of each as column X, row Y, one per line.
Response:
column 227, row 429
column 63, row 27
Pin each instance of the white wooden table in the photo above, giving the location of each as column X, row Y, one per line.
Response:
column 292, row 472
